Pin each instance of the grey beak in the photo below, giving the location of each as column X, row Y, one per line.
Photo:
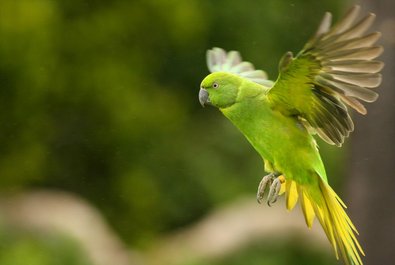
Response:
column 203, row 97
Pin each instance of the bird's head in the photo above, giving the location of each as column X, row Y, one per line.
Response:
column 219, row 89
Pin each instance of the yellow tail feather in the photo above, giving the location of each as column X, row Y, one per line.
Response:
column 291, row 194
column 328, row 207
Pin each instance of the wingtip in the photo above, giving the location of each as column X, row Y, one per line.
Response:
column 355, row 8
column 325, row 24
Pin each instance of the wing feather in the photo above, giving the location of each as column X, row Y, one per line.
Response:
column 367, row 53
column 360, row 42
column 345, row 23
column 334, row 69
column 218, row 60
column 353, row 66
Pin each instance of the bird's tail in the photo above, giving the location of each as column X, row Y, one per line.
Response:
column 320, row 200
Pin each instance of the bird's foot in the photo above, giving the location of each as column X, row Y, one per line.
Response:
column 274, row 180
column 275, row 190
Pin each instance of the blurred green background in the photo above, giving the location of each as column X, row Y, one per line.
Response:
column 99, row 99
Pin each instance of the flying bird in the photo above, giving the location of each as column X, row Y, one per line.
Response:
column 335, row 71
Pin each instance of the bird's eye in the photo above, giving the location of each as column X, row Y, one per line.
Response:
column 215, row 85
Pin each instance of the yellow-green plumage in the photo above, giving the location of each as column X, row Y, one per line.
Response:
column 334, row 69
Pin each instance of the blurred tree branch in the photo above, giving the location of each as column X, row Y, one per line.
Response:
column 221, row 232
column 54, row 211
column 231, row 228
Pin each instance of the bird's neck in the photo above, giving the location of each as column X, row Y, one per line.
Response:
column 249, row 90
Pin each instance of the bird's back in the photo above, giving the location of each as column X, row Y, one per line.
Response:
column 280, row 139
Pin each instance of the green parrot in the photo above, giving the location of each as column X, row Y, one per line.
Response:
column 335, row 68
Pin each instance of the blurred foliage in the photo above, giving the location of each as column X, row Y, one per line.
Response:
column 23, row 247
column 274, row 252
column 100, row 98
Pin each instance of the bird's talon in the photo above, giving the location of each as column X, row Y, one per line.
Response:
column 274, row 190
column 269, row 180
column 259, row 199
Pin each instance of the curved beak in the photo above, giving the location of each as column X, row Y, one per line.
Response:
column 203, row 97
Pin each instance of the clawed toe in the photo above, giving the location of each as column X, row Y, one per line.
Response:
column 274, row 182
column 268, row 179
column 274, row 191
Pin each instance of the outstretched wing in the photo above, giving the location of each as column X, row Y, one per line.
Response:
column 334, row 68
column 218, row 60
